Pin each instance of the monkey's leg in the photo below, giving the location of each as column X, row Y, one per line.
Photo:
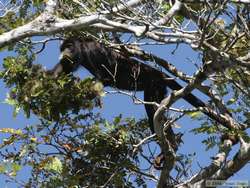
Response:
column 152, row 93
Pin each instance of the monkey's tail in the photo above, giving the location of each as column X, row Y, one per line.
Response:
column 156, row 91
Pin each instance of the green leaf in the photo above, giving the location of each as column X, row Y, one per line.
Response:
column 209, row 129
column 16, row 167
column 11, row 131
column 166, row 7
column 195, row 115
column 117, row 119
column 16, row 110
column 10, row 101
column 3, row 168
column 54, row 164
column 13, row 102
column 231, row 101
column 62, row 82
column 210, row 142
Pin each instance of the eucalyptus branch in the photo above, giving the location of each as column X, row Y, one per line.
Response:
column 136, row 146
column 216, row 164
column 135, row 99
column 240, row 159
column 171, row 13
column 209, row 171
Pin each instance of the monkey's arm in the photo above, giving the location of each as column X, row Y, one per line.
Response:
column 63, row 67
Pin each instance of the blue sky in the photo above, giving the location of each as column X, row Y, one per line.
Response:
column 120, row 104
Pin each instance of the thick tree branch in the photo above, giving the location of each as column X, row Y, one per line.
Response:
column 241, row 158
column 210, row 170
column 171, row 13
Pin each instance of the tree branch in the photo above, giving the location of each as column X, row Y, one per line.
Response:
column 241, row 158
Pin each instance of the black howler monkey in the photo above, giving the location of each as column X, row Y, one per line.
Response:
column 117, row 70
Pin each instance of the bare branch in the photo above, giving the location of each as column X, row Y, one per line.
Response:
column 171, row 13
column 136, row 147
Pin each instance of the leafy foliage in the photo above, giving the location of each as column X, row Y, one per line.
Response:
column 34, row 89
column 28, row 10
column 84, row 149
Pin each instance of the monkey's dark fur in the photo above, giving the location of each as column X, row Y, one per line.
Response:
column 119, row 71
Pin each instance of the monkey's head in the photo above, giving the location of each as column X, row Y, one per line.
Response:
column 70, row 50
column 74, row 52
